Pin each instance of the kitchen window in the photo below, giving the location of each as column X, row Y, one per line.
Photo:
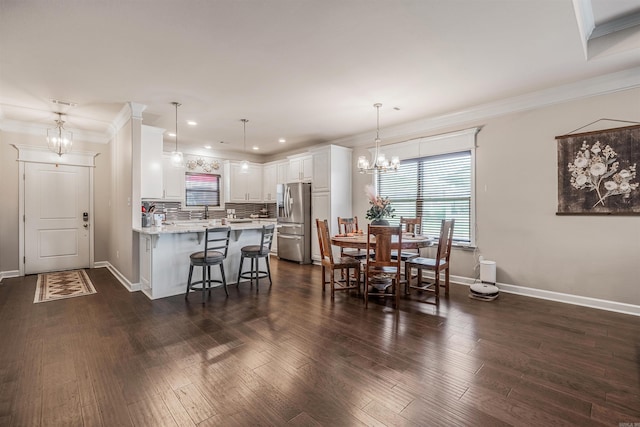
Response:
column 202, row 189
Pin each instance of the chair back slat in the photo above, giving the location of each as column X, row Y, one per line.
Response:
column 386, row 239
column 217, row 239
column 324, row 240
column 267, row 237
column 348, row 225
column 445, row 241
column 411, row 225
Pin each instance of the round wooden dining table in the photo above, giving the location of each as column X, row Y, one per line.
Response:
column 359, row 241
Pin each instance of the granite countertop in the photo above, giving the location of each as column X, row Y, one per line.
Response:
column 198, row 227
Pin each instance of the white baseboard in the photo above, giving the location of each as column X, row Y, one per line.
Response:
column 10, row 273
column 131, row 287
column 601, row 304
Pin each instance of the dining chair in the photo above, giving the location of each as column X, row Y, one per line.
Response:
column 216, row 245
column 438, row 264
column 254, row 253
column 413, row 226
column 382, row 271
column 329, row 263
column 350, row 225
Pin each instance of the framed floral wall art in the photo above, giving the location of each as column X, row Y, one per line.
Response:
column 597, row 172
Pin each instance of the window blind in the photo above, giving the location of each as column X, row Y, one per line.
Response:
column 202, row 189
column 434, row 188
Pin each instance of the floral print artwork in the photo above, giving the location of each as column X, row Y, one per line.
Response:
column 597, row 168
column 597, row 172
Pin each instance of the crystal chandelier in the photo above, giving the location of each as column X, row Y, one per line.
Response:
column 379, row 163
column 176, row 156
column 59, row 140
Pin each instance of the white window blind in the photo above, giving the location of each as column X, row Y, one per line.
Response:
column 202, row 189
column 434, row 188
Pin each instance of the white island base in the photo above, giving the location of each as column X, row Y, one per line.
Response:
column 164, row 256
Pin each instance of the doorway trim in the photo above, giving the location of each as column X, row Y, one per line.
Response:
column 38, row 154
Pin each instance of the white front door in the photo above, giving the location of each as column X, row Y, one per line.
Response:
column 56, row 234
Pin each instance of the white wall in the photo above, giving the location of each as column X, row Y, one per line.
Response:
column 516, row 187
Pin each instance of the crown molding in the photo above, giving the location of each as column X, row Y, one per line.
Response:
column 602, row 85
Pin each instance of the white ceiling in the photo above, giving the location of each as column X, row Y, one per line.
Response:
column 305, row 70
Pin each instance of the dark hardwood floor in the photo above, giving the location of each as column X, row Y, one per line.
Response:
column 288, row 355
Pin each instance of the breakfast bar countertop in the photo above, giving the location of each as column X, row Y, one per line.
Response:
column 196, row 227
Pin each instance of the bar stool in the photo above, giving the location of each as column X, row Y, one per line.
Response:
column 216, row 245
column 255, row 252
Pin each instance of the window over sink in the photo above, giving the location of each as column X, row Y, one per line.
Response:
column 202, row 189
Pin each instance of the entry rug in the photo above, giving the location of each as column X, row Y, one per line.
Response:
column 63, row 284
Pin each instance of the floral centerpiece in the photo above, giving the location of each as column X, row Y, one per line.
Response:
column 380, row 207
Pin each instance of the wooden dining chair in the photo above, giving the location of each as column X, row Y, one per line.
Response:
column 382, row 272
column 350, row 225
column 328, row 262
column 438, row 264
column 413, row 226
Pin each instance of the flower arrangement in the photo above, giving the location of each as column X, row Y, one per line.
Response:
column 380, row 206
column 596, row 169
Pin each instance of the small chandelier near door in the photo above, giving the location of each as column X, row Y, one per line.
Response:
column 59, row 140
column 379, row 162
column 176, row 156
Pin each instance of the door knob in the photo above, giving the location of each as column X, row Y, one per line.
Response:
column 85, row 225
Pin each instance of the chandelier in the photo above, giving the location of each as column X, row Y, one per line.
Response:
column 379, row 162
column 59, row 140
column 176, row 156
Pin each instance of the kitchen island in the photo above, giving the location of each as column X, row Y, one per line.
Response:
column 165, row 250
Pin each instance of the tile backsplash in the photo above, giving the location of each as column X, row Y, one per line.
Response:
column 173, row 210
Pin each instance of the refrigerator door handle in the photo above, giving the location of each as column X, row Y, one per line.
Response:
column 282, row 236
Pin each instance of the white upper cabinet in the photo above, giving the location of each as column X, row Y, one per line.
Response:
column 173, row 180
column 243, row 186
column 301, row 168
column 269, row 182
column 282, row 176
column 151, row 163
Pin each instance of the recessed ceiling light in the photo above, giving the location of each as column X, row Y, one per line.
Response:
column 208, row 147
column 171, row 134
column 282, row 140
column 255, row 147
column 191, row 123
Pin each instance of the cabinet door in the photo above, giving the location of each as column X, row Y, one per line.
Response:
column 269, row 182
column 237, row 184
column 173, row 180
column 151, row 163
column 253, row 183
column 283, row 173
column 320, row 209
column 306, row 170
column 321, row 171
column 294, row 170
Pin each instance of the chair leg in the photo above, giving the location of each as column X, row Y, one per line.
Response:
column 446, row 281
column 324, row 277
column 204, row 281
column 268, row 269
column 209, row 280
column 224, row 279
column 240, row 269
column 366, row 290
column 186, row 295
column 332, row 280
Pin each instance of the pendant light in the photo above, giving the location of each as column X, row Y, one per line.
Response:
column 379, row 162
column 59, row 140
column 244, row 167
column 176, row 156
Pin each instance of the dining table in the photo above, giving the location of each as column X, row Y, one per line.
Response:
column 359, row 241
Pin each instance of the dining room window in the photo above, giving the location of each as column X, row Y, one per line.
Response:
column 202, row 189
column 435, row 188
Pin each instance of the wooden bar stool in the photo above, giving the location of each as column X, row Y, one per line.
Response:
column 216, row 245
column 255, row 252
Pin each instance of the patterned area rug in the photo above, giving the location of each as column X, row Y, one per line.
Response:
column 63, row 284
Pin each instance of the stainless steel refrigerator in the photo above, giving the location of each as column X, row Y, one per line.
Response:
column 294, row 222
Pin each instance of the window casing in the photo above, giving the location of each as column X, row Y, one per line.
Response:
column 202, row 189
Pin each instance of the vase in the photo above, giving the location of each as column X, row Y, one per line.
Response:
column 380, row 221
